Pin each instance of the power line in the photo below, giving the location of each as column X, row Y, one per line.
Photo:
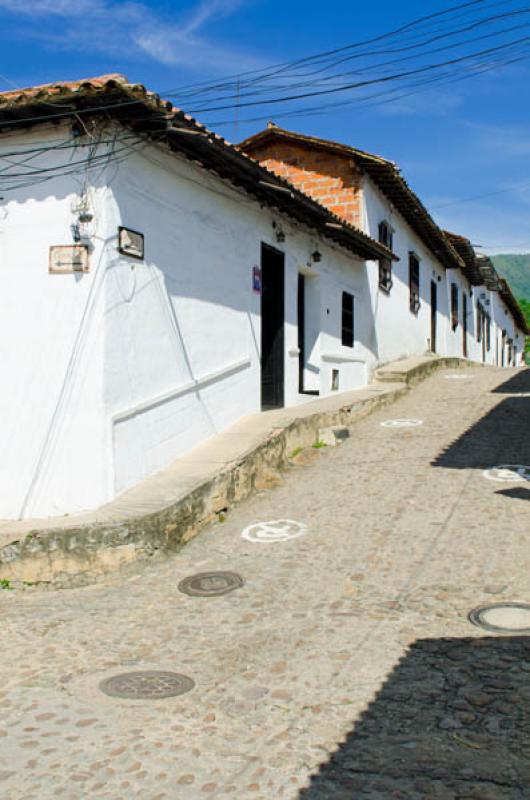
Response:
column 372, row 40
column 480, row 196
column 369, row 82
column 401, row 49
column 388, row 96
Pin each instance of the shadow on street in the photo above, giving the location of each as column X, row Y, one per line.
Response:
column 451, row 722
column 500, row 437
column 518, row 384
column 517, row 493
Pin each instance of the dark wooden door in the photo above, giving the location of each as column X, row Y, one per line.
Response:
column 434, row 309
column 464, row 324
column 301, row 331
column 272, row 327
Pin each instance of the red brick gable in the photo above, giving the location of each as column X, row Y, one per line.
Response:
column 330, row 178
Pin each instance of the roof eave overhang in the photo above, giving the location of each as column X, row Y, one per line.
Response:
column 146, row 113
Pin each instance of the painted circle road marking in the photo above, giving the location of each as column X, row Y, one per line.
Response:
column 402, row 423
column 279, row 530
column 508, row 473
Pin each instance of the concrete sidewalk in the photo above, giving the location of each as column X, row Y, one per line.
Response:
column 169, row 508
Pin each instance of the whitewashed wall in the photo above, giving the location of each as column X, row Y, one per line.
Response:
column 399, row 332
column 52, row 433
column 115, row 373
column 454, row 339
column 183, row 329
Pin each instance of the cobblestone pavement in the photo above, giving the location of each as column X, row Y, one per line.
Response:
column 344, row 667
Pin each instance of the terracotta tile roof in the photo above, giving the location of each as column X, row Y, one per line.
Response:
column 386, row 176
column 466, row 251
column 144, row 111
column 481, row 272
column 60, row 87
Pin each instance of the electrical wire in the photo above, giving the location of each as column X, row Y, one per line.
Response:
column 403, row 49
column 368, row 82
column 290, row 64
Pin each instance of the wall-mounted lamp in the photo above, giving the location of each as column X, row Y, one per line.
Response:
column 316, row 256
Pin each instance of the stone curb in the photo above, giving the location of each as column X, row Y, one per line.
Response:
column 398, row 372
column 85, row 551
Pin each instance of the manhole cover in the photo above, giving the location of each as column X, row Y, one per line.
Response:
column 502, row 617
column 508, row 473
column 402, row 423
column 211, row 584
column 152, row 685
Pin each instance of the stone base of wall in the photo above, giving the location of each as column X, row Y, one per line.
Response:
column 72, row 554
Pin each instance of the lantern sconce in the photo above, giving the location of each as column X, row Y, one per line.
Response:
column 316, row 256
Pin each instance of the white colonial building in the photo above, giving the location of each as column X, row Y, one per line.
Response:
column 158, row 284
column 150, row 278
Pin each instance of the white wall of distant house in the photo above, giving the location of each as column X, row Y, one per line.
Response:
column 400, row 332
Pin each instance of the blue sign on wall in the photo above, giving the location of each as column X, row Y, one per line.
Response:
column 256, row 280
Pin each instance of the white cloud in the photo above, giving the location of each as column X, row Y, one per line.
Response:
column 128, row 30
column 505, row 140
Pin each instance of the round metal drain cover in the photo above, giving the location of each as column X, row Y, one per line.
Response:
column 150, row 685
column 502, row 617
column 211, row 584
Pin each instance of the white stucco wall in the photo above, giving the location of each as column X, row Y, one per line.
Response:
column 399, row 332
column 51, row 333
column 188, row 314
column 454, row 338
column 114, row 373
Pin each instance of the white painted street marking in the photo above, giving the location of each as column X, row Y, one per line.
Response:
column 402, row 423
column 279, row 530
column 459, row 377
column 508, row 473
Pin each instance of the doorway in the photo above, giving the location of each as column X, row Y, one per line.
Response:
column 308, row 305
column 464, row 324
column 434, row 310
column 272, row 327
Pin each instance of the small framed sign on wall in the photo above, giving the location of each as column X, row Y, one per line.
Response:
column 130, row 243
column 65, row 258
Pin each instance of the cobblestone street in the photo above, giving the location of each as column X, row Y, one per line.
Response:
column 344, row 667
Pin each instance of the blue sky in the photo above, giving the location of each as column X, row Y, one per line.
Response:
column 452, row 142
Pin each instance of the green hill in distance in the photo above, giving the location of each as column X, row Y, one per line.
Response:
column 515, row 267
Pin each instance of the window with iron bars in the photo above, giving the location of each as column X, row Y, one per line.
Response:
column 414, row 283
column 385, row 264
